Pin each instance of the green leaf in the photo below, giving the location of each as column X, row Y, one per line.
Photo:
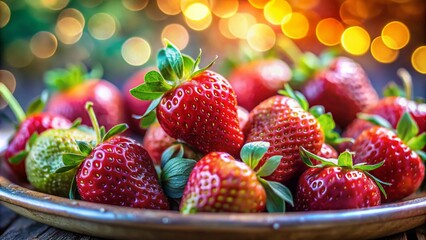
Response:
column 63, row 79
column 317, row 110
column 174, row 176
column 117, row 129
column 407, row 128
column 73, row 189
column 76, row 123
column 38, row 104
column 102, row 131
column 148, row 120
column 197, row 61
column 72, row 159
column 170, row 62
column 306, row 155
column 289, row 92
column 276, row 195
column 188, row 65
column 393, row 90
column 421, row 154
column 252, row 152
column 365, row 167
column 204, row 68
column 64, row 169
column 379, row 183
column 345, row 159
column 269, row 167
column 95, row 73
column 84, row 147
column 170, row 152
column 418, row 142
column 298, row 77
column 302, row 100
column 375, row 119
column 153, row 105
column 145, row 92
column 31, row 141
column 156, row 82
column 17, row 158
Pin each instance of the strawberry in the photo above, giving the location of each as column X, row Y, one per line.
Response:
column 327, row 151
column 133, row 105
column 219, row 183
column 156, row 141
column 31, row 123
column 258, row 80
column 198, row 107
column 243, row 120
column 116, row 171
column 337, row 83
column 337, row 184
column 391, row 108
column 286, row 123
column 400, row 151
column 71, row 92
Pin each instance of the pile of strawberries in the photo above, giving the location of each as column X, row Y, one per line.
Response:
column 202, row 152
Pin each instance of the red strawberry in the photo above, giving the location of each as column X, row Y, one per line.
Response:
column 343, row 88
column 133, row 105
column 72, row 93
column 391, row 108
column 282, row 122
column 403, row 168
column 197, row 107
column 258, row 80
column 337, row 185
column 219, row 183
column 156, row 141
column 116, row 171
column 327, row 151
column 32, row 122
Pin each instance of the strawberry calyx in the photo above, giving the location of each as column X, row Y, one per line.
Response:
column 344, row 160
column 326, row 121
column 175, row 68
column 276, row 193
column 175, row 171
column 58, row 80
column 73, row 160
column 406, row 129
column 393, row 90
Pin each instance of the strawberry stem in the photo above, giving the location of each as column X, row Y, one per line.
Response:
column 407, row 81
column 94, row 120
column 13, row 103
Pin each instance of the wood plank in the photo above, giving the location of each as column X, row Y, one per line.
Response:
column 7, row 217
column 24, row 228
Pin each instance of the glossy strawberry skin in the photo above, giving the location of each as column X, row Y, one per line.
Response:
column 281, row 121
column 343, row 89
column 156, row 141
column 403, row 168
column 120, row 172
column 107, row 99
column 335, row 188
column 327, row 152
column 219, row 183
column 203, row 113
column 391, row 109
column 256, row 81
column 133, row 105
column 36, row 123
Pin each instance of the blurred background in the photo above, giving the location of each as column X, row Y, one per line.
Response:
column 125, row 35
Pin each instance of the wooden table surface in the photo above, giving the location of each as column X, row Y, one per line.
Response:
column 13, row 226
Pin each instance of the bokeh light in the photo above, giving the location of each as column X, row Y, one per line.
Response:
column 261, row 37
column 304, row 4
column 69, row 27
column 224, row 28
column 7, row 78
column 240, row 23
column 43, row 44
column 177, row 34
column 276, row 10
column 102, row 26
column 355, row 40
column 55, row 4
column 18, row 54
column 4, row 14
column 418, row 59
column 200, row 25
column 169, row 7
column 258, row 3
column 196, row 11
column 136, row 51
column 295, row 26
column 381, row 52
column 329, row 31
column 224, row 9
column 135, row 5
column 395, row 35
